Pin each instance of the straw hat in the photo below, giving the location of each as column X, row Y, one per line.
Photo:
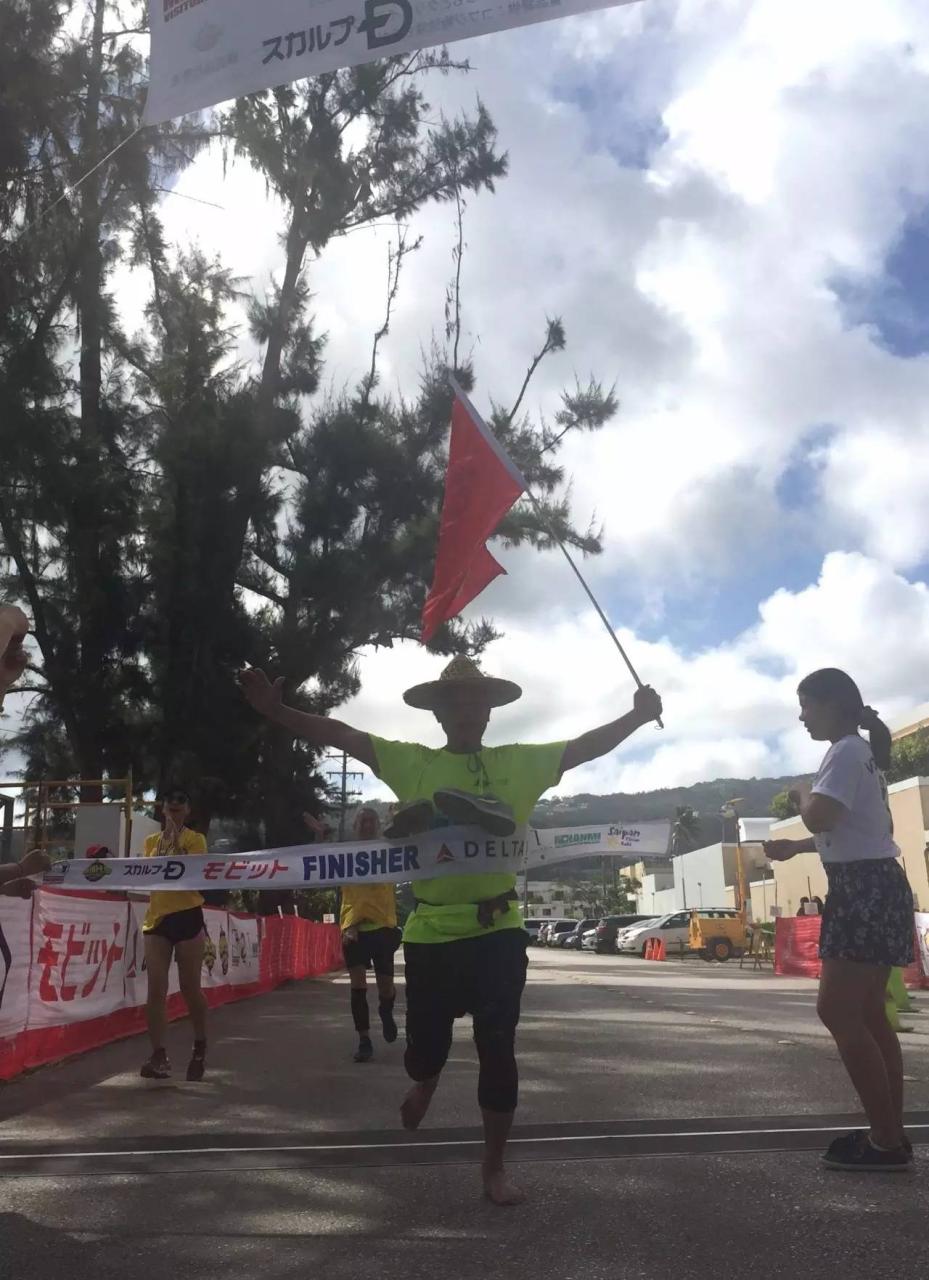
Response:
column 462, row 673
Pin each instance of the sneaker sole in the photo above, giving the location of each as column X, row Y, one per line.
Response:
column 470, row 815
column 413, row 823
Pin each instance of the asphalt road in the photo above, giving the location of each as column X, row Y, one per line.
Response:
column 670, row 1124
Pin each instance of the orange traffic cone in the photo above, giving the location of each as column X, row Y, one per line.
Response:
column 660, row 951
column 650, row 949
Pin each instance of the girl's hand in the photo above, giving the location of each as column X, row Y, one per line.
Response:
column 799, row 794
column 779, row 850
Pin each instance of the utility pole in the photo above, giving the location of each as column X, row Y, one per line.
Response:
column 346, row 792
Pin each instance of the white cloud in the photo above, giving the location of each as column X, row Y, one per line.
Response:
column 794, row 152
column 731, row 711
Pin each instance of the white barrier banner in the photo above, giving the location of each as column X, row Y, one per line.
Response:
column 216, row 953
column 136, row 984
column 922, row 931
column 15, row 955
column 244, row 949
column 78, row 949
column 207, row 51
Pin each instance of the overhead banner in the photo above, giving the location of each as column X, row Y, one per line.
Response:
column 561, row 844
column 207, row 51
column 448, row 851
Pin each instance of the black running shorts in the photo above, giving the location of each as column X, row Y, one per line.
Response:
column 180, row 926
column 373, row 948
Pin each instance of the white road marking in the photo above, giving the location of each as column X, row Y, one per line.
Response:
column 443, row 1142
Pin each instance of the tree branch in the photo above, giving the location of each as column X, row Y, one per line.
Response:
column 453, row 296
column 394, row 267
column 554, row 341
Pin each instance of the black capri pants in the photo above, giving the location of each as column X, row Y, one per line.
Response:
column 483, row 977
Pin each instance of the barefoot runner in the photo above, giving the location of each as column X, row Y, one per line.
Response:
column 174, row 928
column 464, row 945
column 868, row 915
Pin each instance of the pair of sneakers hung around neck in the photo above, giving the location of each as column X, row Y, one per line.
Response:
column 449, row 805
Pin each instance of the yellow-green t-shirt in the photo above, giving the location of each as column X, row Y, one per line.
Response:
column 161, row 903
column 518, row 775
column 370, row 906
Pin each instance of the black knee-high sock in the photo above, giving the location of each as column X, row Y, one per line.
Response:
column 360, row 1011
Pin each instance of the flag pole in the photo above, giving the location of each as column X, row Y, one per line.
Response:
column 590, row 596
column 463, row 397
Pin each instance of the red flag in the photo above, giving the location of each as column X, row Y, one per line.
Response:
column 481, row 485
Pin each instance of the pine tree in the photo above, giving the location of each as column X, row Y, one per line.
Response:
column 73, row 463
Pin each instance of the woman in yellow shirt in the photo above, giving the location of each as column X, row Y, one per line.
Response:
column 174, row 928
column 370, row 938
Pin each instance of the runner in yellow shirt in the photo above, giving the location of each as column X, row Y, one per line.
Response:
column 464, row 945
column 174, row 928
column 370, row 937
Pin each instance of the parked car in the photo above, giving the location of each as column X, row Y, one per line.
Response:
column 610, row 926
column 673, row 929
column 532, row 925
column 573, row 940
column 589, row 940
column 558, row 929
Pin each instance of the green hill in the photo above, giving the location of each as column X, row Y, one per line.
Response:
column 705, row 798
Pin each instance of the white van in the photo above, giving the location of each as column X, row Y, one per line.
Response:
column 673, row 929
column 532, row 925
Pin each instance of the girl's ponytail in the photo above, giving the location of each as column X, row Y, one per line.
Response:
column 878, row 735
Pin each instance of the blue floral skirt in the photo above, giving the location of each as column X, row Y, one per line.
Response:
column 868, row 914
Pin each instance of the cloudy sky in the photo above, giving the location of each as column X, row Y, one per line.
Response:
column 727, row 202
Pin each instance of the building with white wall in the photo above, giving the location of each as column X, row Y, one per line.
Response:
column 706, row 877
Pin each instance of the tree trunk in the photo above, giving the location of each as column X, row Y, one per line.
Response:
column 86, row 513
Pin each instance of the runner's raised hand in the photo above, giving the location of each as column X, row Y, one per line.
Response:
column 260, row 693
column 14, row 627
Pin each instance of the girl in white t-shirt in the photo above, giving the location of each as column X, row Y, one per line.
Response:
column 868, row 916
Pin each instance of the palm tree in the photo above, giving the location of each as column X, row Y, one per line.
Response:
column 685, row 831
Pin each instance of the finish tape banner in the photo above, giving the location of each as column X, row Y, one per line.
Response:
column 448, row 851
column 207, row 51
